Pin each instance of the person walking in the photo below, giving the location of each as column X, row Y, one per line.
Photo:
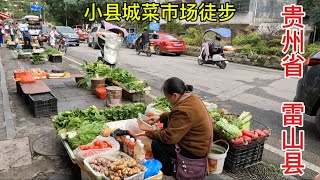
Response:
column 12, row 33
column 2, row 33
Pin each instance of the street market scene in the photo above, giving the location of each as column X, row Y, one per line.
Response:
column 94, row 90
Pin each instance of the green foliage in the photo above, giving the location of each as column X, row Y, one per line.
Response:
column 252, row 39
column 193, row 37
column 174, row 27
column 311, row 48
column 93, row 68
column 51, row 50
column 312, row 8
column 162, row 104
column 37, row 58
column 254, row 44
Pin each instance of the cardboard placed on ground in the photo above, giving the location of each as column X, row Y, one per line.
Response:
column 14, row 153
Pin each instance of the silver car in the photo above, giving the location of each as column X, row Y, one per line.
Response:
column 72, row 36
column 93, row 36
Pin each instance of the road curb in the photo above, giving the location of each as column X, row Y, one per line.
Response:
column 10, row 129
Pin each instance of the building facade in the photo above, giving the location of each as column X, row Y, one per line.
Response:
column 250, row 12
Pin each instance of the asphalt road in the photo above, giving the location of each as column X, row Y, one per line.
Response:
column 237, row 88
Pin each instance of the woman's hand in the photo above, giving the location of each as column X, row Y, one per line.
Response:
column 152, row 120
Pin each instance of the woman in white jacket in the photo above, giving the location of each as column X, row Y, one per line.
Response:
column 53, row 38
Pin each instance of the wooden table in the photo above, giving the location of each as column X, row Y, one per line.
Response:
column 34, row 88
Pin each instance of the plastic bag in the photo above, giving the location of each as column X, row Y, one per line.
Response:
column 153, row 167
column 151, row 110
column 143, row 125
column 210, row 106
column 82, row 154
column 133, row 126
column 27, row 78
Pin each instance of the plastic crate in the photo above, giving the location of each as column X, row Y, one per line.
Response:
column 19, row 90
column 44, row 104
column 239, row 158
column 55, row 59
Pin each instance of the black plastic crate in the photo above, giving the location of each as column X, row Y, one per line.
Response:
column 19, row 90
column 44, row 104
column 55, row 59
column 239, row 158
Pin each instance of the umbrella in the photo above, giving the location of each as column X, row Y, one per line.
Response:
column 114, row 28
column 224, row 32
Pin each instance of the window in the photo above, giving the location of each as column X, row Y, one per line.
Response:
column 217, row 2
column 169, row 37
column 65, row 30
column 154, row 36
column 241, row 5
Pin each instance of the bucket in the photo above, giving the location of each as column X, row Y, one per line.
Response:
column 96, row 82
column 217, row 157
column 114, row 95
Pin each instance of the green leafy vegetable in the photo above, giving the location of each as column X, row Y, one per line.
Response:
column 51, row 50
column 229, row 131
column 162, row 104
column 86, row 133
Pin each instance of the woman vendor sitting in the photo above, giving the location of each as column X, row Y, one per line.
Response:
column 186, row 125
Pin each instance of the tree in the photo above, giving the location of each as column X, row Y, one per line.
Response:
column 312, row 9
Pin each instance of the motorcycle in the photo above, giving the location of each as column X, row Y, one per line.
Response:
column 145, row 48
column 62, row 44
column 215, row 55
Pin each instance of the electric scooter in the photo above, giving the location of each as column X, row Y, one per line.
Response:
column 108, row 50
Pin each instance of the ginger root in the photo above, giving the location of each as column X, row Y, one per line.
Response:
column 106, row 132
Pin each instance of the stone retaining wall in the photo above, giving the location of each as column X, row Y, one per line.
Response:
column 253, row 60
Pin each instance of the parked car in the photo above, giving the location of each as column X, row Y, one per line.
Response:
column 167, row 43
column 308, row 88
column 93, row 36
column 73, row 37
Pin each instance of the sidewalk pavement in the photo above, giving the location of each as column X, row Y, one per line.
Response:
column 34, row 152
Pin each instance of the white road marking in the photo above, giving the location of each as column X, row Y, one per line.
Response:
column 72, row 60
column 266, row 146
column 309, row 165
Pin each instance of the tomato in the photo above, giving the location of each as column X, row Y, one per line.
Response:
column 91, row 147
column 84, row 147
column 104, row 146
column 97, row 143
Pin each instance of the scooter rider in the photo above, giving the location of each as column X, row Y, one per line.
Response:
column 215, row 46
column 145, row 38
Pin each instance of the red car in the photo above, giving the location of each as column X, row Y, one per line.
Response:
column 167, row 43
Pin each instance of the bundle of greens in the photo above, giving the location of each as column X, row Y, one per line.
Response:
column 162, row 104
column 51, row 50
column 71, row 119
column 123, row 76
column 86, row 133
column 82, row 126
column 135, row 86
column 37, row 58
column 128, row 111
